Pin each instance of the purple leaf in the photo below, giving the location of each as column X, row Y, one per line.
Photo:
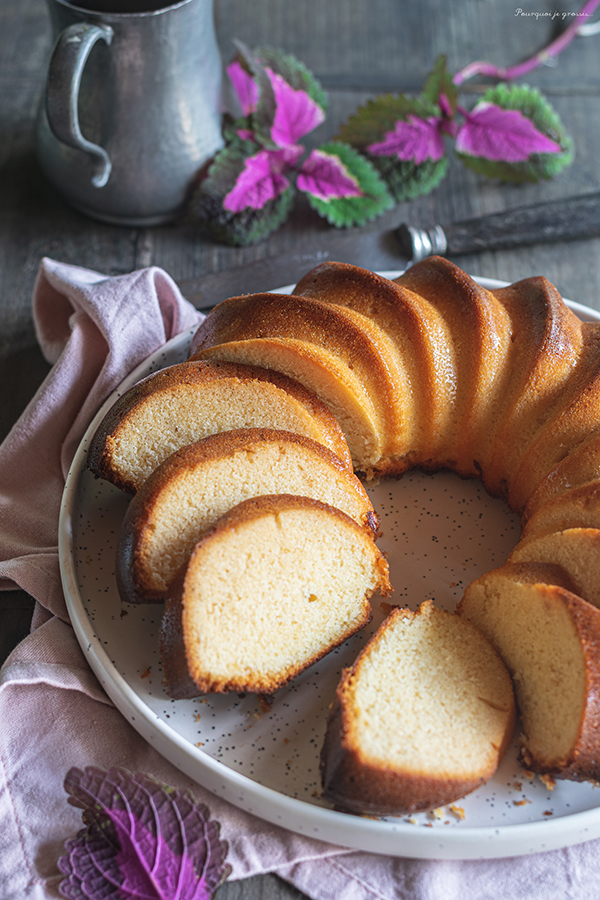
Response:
column 262, row 179
column 325, row 176
column 501, row 134
column 143, row 841
column 415, row 139
column 296, row 113
column 245, row 87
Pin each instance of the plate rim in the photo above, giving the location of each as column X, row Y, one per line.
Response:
column 378, row 836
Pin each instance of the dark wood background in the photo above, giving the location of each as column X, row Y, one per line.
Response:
column 357, row 49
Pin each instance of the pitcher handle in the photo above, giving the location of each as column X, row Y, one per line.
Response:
column 62, row 91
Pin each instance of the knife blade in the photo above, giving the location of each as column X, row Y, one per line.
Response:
column 567, row 219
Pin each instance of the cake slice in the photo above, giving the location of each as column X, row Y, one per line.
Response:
column 576, row 550
column 275, row 585
column 196, row 485
column 576, row 508
column 422, row 718
column 190, row 401
column 549, row 639
column 580, row 466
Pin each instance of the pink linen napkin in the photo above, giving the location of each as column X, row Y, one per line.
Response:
column 54, row 714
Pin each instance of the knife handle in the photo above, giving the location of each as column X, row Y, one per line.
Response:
column 557, row 220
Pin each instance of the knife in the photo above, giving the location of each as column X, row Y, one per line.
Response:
column 558, row 220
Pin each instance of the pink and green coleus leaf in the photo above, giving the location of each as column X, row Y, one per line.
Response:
column 244, row 86
column 142, row 840
column 324, row 175
column 262, row 179
column 360, row 194
column 413, row 139
column 514, row 134
column 378, row 117
column 250, row 225
column 280, row 98
column 295, row 112
column 501, row 134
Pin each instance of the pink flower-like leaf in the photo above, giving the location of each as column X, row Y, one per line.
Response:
column 495, row 133
column 296, row 113
column 142, row 840
column 262, row 179
column 325, row 176
column 245, row 87
column 413, row 139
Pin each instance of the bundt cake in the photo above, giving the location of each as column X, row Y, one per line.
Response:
column 197, row 484
column 422, row 718
column 275, row 585
column 428, row 370
column 549, row 639
column 190, row 401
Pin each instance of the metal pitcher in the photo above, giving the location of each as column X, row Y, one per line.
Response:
column 132, row 107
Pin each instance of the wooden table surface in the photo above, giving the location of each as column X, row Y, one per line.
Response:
column 357, row 49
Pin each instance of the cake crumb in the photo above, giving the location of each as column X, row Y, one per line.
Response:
column 197, row 717
column 412, row 820
column 548, row 781
column 548, row 812
column 146, row 674
column 265, row 702
column 437, row 813
column 521, row 802
column 457, row 811
column 518, row 785
column 199, row 743
column 527, row 773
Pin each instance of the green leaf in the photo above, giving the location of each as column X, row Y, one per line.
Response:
column 344, row 212
column 532, row 104
column 237, row 229
column 373, row 120
column 440, row 82
column 407, row 180
column 294, row 71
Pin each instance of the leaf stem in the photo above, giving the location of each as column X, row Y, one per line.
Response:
column 543, row 57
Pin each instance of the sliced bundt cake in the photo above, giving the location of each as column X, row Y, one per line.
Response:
column 422, row 718
column 196, row 485
column 274, row 586
column 190, row 401
column 549, row 639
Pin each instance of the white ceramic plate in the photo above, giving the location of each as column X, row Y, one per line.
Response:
column 440, row 533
